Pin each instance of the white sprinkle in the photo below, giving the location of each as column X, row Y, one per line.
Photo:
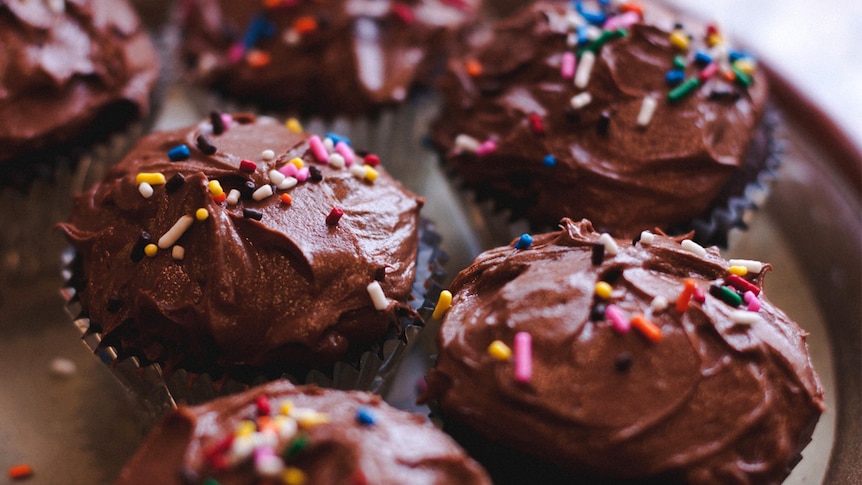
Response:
column 358, row 171
column 262, row 192
column 647, row 238
column 291, row 37
column 658, row 303
column 233, row 197
column 266, row 438
column 611, row 248
column 61, row 367
column 572, row 40
column 276, row 177
column 578, row 101
column 146, row 190
column 593, row 32
column 749, row 264
column 647, row 110
column 377, row 296
column 694, row 248
column 269, row 466
column 57, row 6
column 241, row 448
column 286, row 427
column 742, row 317
column 178, row 252
column 573, row 20
column 585, row 69
column 336, row 161
column 467, row 143
column 176, row 232
column 267, row 155
column 288, row 183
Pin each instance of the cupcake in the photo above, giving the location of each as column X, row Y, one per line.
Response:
column 573, row 357
column 632, row 117
column 74, row 72
column 240, row 249
column 283, row 434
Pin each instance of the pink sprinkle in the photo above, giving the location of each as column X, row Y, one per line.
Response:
column 622, row 21
column 618, row 321
column 752, row 300
column 301, row 174
column 345, row 151
column 486, row 147
column 567, row 67
column 235, row 53
column 708, row 71
column 226, row 120
column 289, row 170
column 523, row 352
column 318, row 149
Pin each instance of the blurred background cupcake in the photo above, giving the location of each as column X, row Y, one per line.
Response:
column 632, row 116
column 77, row 81
column 237, row 250
column 278, row 433
column 573, row 357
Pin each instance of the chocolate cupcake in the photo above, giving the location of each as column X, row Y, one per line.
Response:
column 279, row 433
column 240, row 249
column 635, row 118
column 572, row 357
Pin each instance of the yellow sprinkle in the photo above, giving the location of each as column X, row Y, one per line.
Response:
column 202, row 214
column 679, row 40
column 293, row 125
column 745, row 65
column 312, row 419
column 293, row 476
column 151, row 250
column 215, row 188
column 150, row 178
column 499, row 351
column 246, row 428
column 286, row 408
column 713, row 40
column 443, row 304
column 738, row 270
column 603, row 290
column 298, row 162
column 370, row 174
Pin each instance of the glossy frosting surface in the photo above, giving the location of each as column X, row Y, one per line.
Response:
column 622, row 176
column 712, row 401
column 262, row 282
column 325, row 57
column 62, row 63
column 353, row 438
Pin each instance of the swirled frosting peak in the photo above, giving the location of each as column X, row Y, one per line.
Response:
column 657, row 359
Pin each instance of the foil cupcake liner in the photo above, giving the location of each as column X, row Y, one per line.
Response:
column 371, row 370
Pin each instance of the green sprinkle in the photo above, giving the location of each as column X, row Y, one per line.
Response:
column 679, row 62
column 210, row 481
column 730, row 296
column 606, row 36
column 742, row 78
column 301, row 442
column 683, row 89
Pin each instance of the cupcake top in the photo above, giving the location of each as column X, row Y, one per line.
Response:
column 240, row 243
column 627, row 360
column 283, row 434
column 624, row 117
column 330, row 57
column 64, row 63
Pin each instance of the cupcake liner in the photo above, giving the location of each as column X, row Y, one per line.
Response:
column 370, row 370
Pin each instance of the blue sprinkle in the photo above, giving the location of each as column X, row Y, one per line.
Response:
column 702, row 59
column 524, row 242
column 365, row 416
column 582, row 35
column 550, row 161
column 335, row 137
column 178, row 153
column 258, row 28
column 674, row 77
column 734, row 56
column 594, row 18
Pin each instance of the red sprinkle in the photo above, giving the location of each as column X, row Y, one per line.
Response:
column 372, row 159
column 698, row 295
column 711, row 29
column 247, row 166
column 220, row 198
column 334, row 216
column 263, row 406
column 742, row 284
column 216, row 455
column 536, row 124
column 404, row 13
column 20, row 471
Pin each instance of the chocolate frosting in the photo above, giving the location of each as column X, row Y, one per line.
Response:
column 360, row 440
column 713, row 401
column 63, row 64
column 262, row 283
column 622, row 176
column 325, row 58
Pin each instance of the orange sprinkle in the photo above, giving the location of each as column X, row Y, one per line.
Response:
column 650, row 330
column 305, row 24
column 220, row 198
column 473, row 67
column 729, row 75
column 271, row 3
column 632, row 7
column 286, row 198
column 20, row 471
column 685, row 295
column 258, row 58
